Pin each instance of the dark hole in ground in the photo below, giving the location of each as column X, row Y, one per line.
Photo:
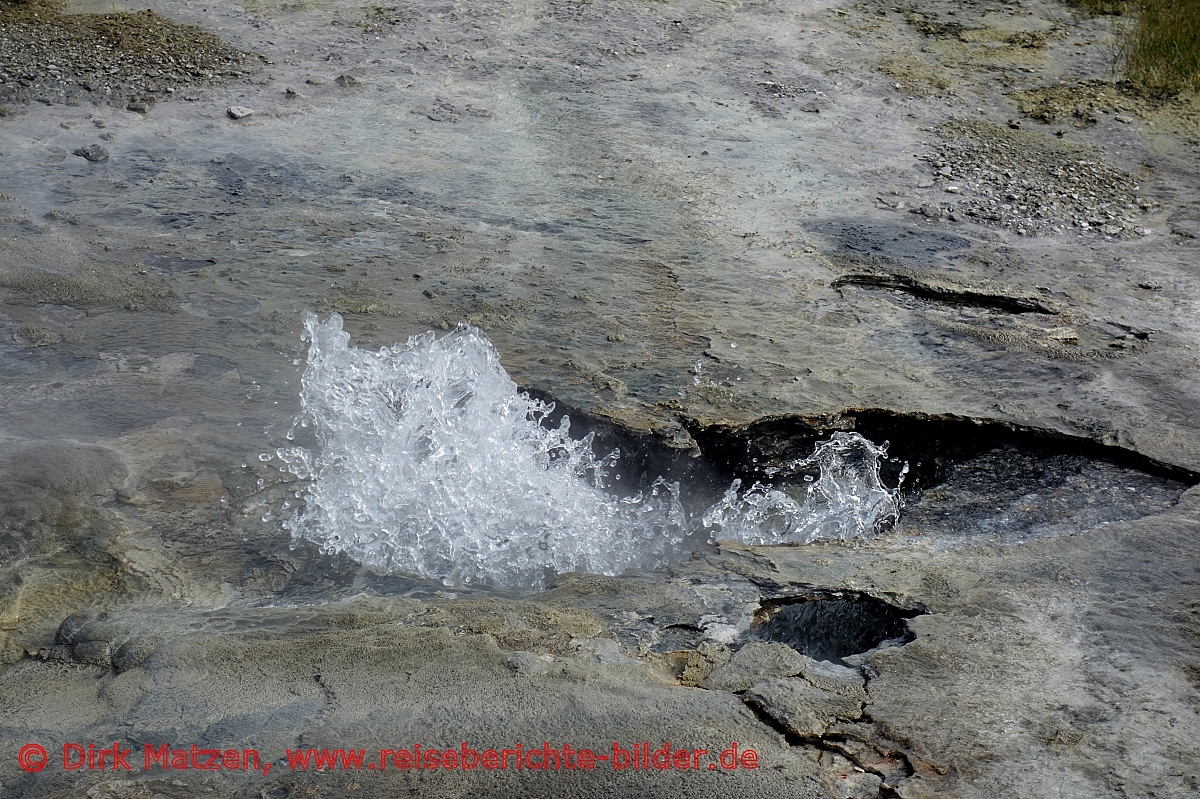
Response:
column 929, row 445
column 833, row 629
column 1011, row 483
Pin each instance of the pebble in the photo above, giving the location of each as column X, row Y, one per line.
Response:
column 115, row 58
column 1029, row 182
column 93, row 152
column 239, row 112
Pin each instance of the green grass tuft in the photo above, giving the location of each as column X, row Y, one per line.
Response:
column 1163, row 52
column 1157, row 42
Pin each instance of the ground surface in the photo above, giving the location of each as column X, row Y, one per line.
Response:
column 682, row 218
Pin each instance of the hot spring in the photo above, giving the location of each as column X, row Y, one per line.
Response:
column 429, row 460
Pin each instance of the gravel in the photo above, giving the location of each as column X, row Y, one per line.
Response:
column 120, row 59
column 1031, row 183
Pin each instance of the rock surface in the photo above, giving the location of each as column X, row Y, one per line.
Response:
column 696, row 256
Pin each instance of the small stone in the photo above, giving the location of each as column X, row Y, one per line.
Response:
column 946, row 171
column 953, row 190
column 924, row 183
column 346, row 80
column 844, row 781
column 1066, row 335
column 1150, row 285
column 931, row 211
column 1123, row 118
column 314, row 82
column 93, row 152
column 1015, row 124
column 71, row 627
column 290, row 92
column 1186, row 228
column 134, row 652
column 239, row 112
column 139, row 107
column 93, row 653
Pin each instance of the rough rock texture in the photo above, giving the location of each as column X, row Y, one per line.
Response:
column 754, row 662
column 1033, row 666
column 691, row 224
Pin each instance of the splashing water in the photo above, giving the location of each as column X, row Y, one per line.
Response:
column 847, row 500
column 430, row 461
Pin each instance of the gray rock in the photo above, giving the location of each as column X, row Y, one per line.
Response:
column 134, row 652
column 93, row 152
column 835, row 679
column 93, row 653
column 801, row 707
column 844, row 781
column 754, row 662
column 72, row 625
column 239, row 112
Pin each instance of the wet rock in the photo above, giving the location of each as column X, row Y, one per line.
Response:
column 93, row 653
column 346, row 81
column 840, row 680
column 753, row 663
column 93, row 152
column 71, row 627
column 1187, row 228
column 239, row 112
column 138, row 107
column 801, row 707
column 134, row 652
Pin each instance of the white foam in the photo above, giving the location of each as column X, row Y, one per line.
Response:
column 846, row 500
column 432, row 462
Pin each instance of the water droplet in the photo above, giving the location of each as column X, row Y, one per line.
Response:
column 265, row 457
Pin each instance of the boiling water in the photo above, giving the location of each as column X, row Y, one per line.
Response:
column 429, row 460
